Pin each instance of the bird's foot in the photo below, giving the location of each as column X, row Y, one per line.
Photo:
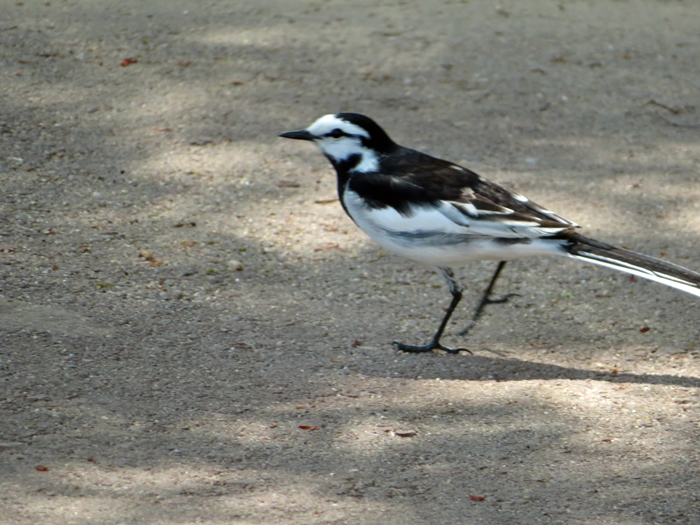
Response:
column 479, row 310
column 504, row 299
column 433, row 345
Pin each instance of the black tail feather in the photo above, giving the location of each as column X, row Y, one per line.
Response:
column 603, row 254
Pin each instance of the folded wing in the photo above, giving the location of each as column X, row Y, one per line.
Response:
column 413, row 182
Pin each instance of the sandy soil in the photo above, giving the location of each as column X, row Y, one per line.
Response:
column 192, row 331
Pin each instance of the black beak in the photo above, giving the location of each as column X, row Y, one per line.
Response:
column 298, row 135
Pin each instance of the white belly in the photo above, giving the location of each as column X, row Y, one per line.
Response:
column 430, row 237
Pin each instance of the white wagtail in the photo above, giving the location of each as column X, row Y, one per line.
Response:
column 441, row 214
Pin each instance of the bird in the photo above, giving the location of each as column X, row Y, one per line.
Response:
column 443, row 215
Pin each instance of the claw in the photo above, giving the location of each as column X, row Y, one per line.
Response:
column 480, row 309
column 504, row 299
column 429, row 348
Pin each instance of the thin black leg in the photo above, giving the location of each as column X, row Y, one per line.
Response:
column 486, row 299
column 456, row 291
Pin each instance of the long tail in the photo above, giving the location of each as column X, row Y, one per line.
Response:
column 597, row 252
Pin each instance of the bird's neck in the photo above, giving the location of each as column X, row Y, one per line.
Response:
column 346, row 168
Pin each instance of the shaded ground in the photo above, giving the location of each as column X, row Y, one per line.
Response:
column 191, row 331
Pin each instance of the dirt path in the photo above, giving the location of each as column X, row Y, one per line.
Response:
column 192, row 331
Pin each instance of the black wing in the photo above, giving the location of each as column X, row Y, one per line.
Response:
column 409, row 178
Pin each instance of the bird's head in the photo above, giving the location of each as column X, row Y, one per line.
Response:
column 349, row 140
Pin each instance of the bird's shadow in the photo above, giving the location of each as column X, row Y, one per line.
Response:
column 503, row 369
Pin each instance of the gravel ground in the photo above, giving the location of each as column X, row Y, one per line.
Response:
column 192, row 331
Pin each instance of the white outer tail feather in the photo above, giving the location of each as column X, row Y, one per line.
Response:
column 620, row 266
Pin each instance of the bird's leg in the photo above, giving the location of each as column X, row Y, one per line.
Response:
column 456, row 291
column 486, row 299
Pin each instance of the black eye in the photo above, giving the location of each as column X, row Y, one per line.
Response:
column 336, row 133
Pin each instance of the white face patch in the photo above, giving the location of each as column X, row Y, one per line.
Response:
column 344, row 147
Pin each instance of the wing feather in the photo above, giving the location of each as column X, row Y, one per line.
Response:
column 408, row 180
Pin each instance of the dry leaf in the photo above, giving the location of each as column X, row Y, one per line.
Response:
column 329, row 246
column 326, row 200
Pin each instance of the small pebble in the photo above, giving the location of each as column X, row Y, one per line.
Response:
column 233, row 264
